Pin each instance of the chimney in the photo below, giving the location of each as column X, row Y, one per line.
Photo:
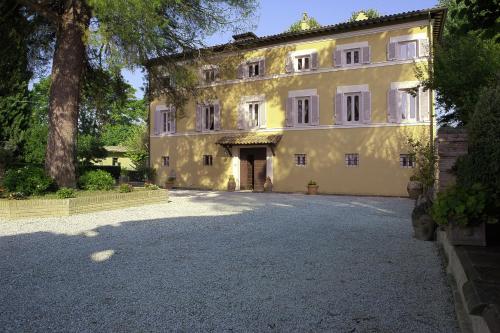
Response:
column 244, row 37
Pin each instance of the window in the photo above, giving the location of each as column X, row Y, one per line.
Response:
column 409, row 105
column 207, row 160
column 165, row 161
column 352, row 56
column 300, row 159
column 208, row 118
column 253, row 69
column 210, row 75
column 303, row 62
column 407, row 49
column 115, row 161
column 168, row 119
column 352, row 107
column 253, row 114
column 351, row 160
column 302, row 110
column 407, row 160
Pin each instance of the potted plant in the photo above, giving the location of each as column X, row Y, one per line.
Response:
column 462, row 211
column 312, row 187
column 268, row 185
column 415, row 188
column 231, row 184
column 169, row 184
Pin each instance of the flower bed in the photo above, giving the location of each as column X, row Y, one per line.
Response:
column 84, row 204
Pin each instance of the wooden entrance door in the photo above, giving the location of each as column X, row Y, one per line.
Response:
column 252, row 168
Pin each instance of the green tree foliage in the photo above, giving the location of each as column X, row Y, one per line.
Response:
column 465, row 62
column 305, row 23
column 477, row 16
column 138, row 147
column 370, row 13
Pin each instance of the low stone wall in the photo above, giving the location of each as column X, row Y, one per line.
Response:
column 451, row 144
column 64, row 207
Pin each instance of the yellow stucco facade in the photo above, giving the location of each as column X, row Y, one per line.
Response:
column 378, row 141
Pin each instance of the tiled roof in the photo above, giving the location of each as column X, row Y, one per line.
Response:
column 438, row 14
column 250, row 139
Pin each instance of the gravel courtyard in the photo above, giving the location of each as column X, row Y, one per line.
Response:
column 214, row 261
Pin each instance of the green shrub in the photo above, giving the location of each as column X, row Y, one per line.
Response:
column 461, row 206
column 96, row 180
column 125, row 188
column 28, row 180
column 65, row 193
column 151, row 187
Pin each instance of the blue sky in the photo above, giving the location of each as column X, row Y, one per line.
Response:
column 275, row 16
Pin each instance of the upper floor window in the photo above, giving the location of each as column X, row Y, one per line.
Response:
column 165, row 161
column 208, row 160
column 351, row 54
column 252, row 113
column 300, row 159
column 164, row 120
column 352, row 110
column 302, row 108
column 407, row 160
column 168, row 121
column 303, row 62
column 353, row 105
column 209, row 75
column 409, row 105
column 351, row 160
column 253, row 69
column 408, row 47
column 208, row 117
column 352, row 57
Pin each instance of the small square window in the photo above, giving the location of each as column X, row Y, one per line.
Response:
column 407, row 160
column 351, row 160
column 115, row 161
column 165, row 161
column 207, row 160
column 300, row 159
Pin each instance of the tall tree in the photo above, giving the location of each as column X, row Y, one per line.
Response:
column 121, row 32
column 364, row 14
column 305, row 23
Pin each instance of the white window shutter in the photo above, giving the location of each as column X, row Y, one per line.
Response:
column 423, row 47
column 262, row 67
column 241, row 116
column 391, row 51
column 339, row 108
column 262, row 114
column 174, row 122
column 217, row 119
column 366, row 54
column 367, row 108
column 289, row 112
column 241, row 71
column 337, row 58
column 289, row 64
column 393, row 106
column 424, row 113
column 157, row 122
column 315, row 110
column 198, row 119
column 314, row 60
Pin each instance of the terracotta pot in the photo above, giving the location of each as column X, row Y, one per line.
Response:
column 231, row 185
column 312, row 189
column 415, row 189
column 268, row 185
column 470, row 235
column 169, row 185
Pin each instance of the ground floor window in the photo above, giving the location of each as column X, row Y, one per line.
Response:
column 407, row 160
column 115, row 161
column 165, row 161
column 300, row 159
column 352, row 160
column 207, row 160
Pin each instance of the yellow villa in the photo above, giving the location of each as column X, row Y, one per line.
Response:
column 334, row 104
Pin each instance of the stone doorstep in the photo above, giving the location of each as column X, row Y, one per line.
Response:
column 476, row 272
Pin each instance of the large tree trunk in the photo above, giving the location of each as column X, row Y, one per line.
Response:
column 67, row 66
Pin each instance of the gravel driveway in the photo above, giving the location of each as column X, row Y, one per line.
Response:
column 213, row 261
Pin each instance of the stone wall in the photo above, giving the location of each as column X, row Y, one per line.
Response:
column 451, row 143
